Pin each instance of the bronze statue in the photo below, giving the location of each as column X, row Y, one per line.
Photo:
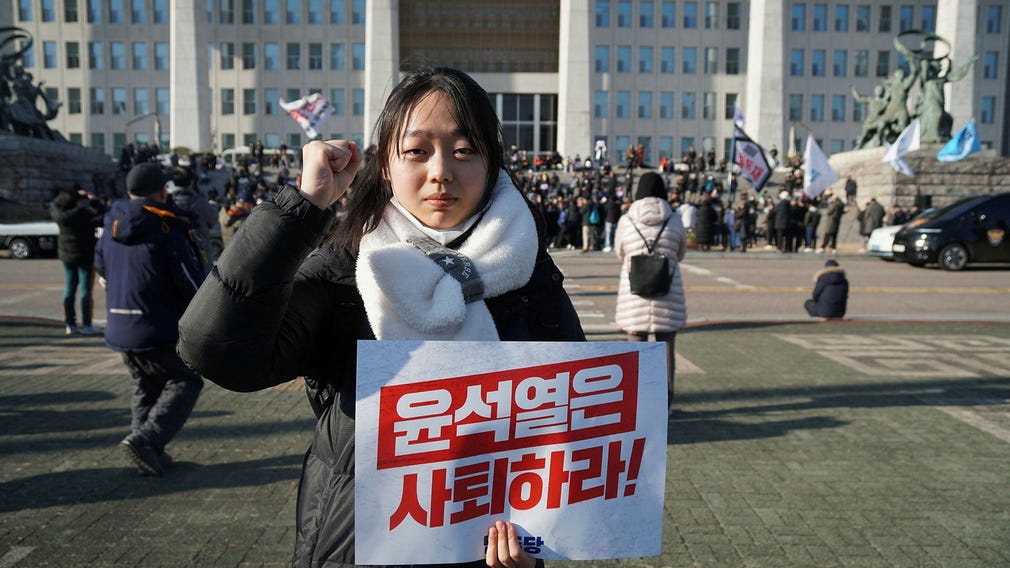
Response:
column 887, row 110
column 934, row 121
column 19, row 95
column 875, row 121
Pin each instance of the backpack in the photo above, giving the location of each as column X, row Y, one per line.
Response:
column 650, row 273
column 594, row 216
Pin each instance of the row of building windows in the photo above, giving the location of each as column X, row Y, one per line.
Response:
column 138, row 12
column 840, row 17
column 271, row 56
column 667, row 110
column 861, row 63
column 987, row 109
column 666, row 17
column 688, row 109
column 141, row 101
column 689, row 63
column 137, row 56
column 709, row 64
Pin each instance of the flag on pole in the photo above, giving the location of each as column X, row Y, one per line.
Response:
column 309, row 112
column 738, row 118
column 906, row 142
column 751, row 158
column 962, row 145
column 817, row 172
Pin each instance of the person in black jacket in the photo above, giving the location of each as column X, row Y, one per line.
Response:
column 782, row 217
column 831, row 293
column 77, row 213
column 151, row 272
column 275, row 309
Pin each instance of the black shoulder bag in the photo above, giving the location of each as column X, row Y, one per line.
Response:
column 650, row 273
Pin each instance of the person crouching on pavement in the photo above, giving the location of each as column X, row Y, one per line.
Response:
column 151, row 272
column 831, row 293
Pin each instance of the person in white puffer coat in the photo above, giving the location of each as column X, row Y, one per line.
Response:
column 661, row 316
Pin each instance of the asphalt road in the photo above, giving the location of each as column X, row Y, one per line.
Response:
column 756, row 286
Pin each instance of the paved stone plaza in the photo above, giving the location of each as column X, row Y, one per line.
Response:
column 843, row 444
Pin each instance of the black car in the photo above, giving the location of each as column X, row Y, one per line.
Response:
column 970, row 230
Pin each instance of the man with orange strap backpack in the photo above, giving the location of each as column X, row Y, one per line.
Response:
column 151, row 271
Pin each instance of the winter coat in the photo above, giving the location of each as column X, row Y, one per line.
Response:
column 613, row 210
column 271, row 312
column 833, row 217
column 651, row 315
column 831, row 292
column 231, row 219
column 872, row 218
column 703, row 223
column 812, row 218
column 76, row 242
column 151, row 270
column 781, row 215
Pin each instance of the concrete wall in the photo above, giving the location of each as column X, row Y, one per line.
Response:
column 33, row 168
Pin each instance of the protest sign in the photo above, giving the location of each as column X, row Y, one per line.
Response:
column 565, row 440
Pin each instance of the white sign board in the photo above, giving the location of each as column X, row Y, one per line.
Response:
column 565, row 440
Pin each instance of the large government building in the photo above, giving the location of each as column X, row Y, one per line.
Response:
column 209, row 74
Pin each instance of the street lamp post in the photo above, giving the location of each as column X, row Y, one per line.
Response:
column 157, row 126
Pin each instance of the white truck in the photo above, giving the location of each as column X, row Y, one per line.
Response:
column 31, row 239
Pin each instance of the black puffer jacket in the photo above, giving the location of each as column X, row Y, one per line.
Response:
column 77, row 219
column 265, row 316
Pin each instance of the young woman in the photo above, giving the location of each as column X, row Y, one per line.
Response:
column 650, row 218
column 268, row 314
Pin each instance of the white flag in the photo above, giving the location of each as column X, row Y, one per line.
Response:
column 906, row 142
column 309, row 112
column 817, row 172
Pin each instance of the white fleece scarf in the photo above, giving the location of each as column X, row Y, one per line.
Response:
column 408, row 296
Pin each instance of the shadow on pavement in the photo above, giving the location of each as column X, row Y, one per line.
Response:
column 692, row 427
column 701, row 427
column 97, row 485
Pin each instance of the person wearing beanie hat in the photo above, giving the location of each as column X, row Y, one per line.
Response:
column 831, row 293
column 651, row 184
column 650, row 225
column 145, row 180
column 151, row 270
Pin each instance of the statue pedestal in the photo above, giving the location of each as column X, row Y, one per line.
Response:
column 943, row 182
column 34, row 169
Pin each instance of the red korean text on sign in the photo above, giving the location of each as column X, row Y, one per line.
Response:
column 459, row 417
column 544, row 479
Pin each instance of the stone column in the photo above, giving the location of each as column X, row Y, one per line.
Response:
column 574, row 71
column 957, row 23
column 763, row 104
column 189, row 94
column 382, row 58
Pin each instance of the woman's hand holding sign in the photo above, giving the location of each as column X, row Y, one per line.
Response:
column 503, row 550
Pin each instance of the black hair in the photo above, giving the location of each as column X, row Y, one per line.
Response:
column 473, row 111
column 182, row 177
column 66, row 199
